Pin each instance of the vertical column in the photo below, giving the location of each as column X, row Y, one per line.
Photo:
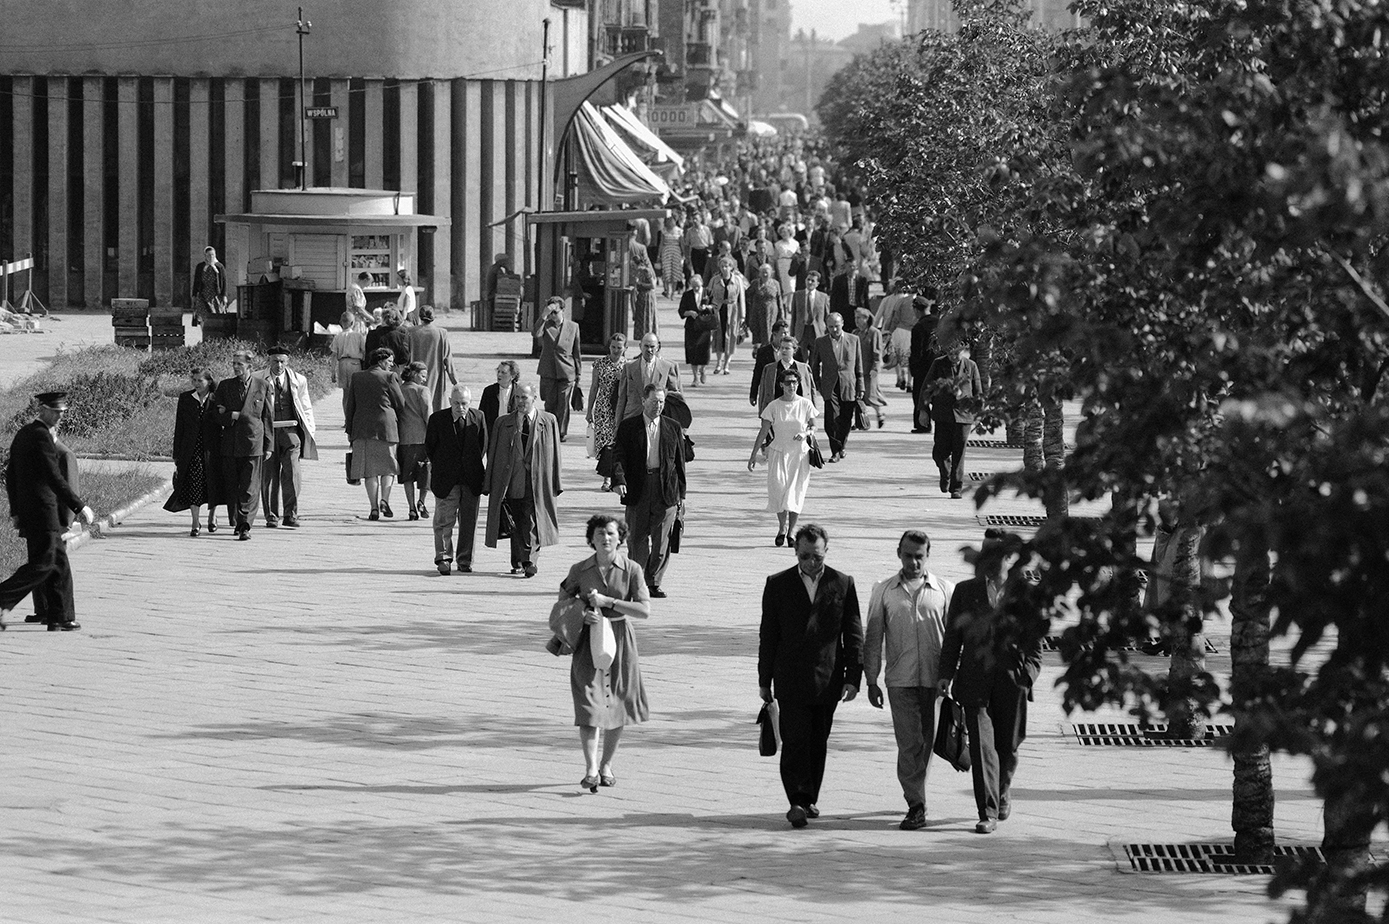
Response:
column 234, row 139
column 128, row 234
column 409, row 136
column 514, row 152
column 497, row 152
column 23, row 131
column 270, row 134
column 199, row 167
column 303, row 131
column 94, row 197
column 164, row 191
column 57, row 268
column 470, row 211
column 338, row 143
column 374, row 133
column 442, row 142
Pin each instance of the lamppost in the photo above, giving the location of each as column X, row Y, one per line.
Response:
column 302, row 27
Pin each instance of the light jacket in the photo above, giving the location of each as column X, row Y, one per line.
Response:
column 913, row 630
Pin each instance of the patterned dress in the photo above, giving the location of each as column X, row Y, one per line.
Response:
column 606, row 373
column 644, row 297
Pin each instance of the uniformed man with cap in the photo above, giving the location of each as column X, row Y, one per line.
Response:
column 292, row 410
column 42, row 503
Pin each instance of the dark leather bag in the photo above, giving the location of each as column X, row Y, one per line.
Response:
column 817, row 458
column 952, row 742
column 766, row 736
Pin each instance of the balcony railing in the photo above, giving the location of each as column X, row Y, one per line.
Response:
column 624, row 40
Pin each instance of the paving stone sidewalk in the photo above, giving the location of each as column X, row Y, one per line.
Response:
column 315, row 725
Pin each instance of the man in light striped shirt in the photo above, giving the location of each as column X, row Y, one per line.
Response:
column 906, row 616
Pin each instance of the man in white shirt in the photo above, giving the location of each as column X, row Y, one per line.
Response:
column 649, row 476
column 906, row 614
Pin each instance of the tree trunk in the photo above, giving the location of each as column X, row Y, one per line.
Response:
column 1031, row 436
column 1348, row 823
column 1251, row 814
column 1054, row 453
column 1188, row 656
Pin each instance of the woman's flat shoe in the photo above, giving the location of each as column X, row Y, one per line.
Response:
column 212, row 526
column 194, row 532
column 780, row 539
column 374, row 515
column 422, row 509
column 607, row 779
column 590, row 783
column 414, row 515
column 386, row 510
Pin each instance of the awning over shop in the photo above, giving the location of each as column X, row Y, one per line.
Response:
column 609, row 171
column 658, row 155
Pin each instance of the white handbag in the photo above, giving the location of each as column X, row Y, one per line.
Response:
column 590, row 440
column 602, row 644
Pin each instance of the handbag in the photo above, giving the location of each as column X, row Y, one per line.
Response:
column 590, row 442
column 567, row 624
column 350, row 479
column 817, row 458
column 689, row 448
column 951, row 744
column 769, row 730
column 506, row 523
column 677, row 529
column 602, row 644
column 576, row 397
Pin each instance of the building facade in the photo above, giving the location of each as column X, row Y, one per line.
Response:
column 939, row 15
column 128, row 127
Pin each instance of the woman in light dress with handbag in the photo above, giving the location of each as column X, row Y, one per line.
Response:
column 788, row 427
column 613, row 588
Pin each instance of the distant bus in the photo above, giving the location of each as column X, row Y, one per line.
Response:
column 788, row 123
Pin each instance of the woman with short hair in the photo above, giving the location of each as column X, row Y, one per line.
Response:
column 372, row 414
column 414, row 420
column 788, row 426
column 612, row 587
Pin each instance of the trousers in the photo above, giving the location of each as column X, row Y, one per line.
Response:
column 839, row 420
column 525, row 541
column 555, row 393
column 914, row 727
column 280, row 475
column 47, row 575
column 242, row 478
column 805, row 735
column 996, row 729
column 458, row 507
column 649, row 523
column 948, row 450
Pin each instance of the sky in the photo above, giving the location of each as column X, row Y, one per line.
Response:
column 837, row 19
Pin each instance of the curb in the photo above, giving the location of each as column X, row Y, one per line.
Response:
column 101, row 525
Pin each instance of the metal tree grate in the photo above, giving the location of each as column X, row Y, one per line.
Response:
column 1053, row 643
column 1132, row 735
column 1028, row 522
column 1000, row 444
column 979, row 476
column 1206, row 858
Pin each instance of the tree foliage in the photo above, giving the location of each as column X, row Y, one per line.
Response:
column 1178, row 214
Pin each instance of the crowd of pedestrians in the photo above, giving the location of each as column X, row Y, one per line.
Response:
column 774, row 250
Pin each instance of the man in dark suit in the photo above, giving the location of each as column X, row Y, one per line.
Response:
column 766, row 355
column 770, row 386
column 455, row 441
column 41, row 506
column 650, row 368
column 836, row 364
column 923, row 353
column 953, row 389
column 810, row 657
column 244, row 409
column 809, row 308
column 989, row 665
column 560, row 362
column 649, row 476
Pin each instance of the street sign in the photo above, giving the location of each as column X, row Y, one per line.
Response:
column 321, row 112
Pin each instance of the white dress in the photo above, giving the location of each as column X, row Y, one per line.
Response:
column 788, row 459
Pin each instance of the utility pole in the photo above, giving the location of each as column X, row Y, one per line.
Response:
column 302, row 26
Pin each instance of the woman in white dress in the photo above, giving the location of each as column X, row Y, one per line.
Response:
column 787, row 426
column 785, row 250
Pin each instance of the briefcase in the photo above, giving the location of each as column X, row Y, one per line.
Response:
column 768, row 735
column 677, row 530
column 952, row 743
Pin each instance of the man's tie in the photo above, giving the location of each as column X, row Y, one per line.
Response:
column 526, row 432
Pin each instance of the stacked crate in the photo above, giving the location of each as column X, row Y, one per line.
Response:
column 130, row 322
column 166, row 328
